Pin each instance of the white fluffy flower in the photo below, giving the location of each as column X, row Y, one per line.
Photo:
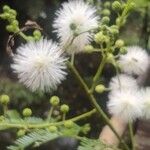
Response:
column 40, row 65
column 75, row 16
column 122, row 82
column 126, row 104
column 136, row 61
column 146, row 102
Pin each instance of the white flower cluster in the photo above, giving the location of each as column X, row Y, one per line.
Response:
column 126, row 99
column 41, row 65
column 75, row 18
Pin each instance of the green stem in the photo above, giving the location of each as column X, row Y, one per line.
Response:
column 50, row 113
column 131, row 135
column 98, row 74
column 94, row 102
column 24, row 36
column 44, row 125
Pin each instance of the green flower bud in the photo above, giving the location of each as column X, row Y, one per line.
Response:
column 114, row 30
column 86, row 128
column 68, row 124
column 119, row 43
column 110, row 58
column 132, row 6
column 52, row 128
column 4, row 99
column 6, row 8
column 105, row 20
column 21, row 132
column 15, row 22
column 37, row 33
column 13, row 12
column 100, row 88
column 10, row 28
column 116, row 6
column 27, row 112
column 106, row 12
column 88, row 48
column 54, row 100
column 107, row 4
column 123, row 50
column 64, row 108
column 100, row 38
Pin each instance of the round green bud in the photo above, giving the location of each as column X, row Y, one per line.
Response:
column 37, row 33
column 107, row 4
column 100, row 88
column 68, row 124
column 106, row 12
column 6, row 8
column 110, row 58
column 54, row 100
column 4, row 99
column 100, row 38
column 132, row 6
column 27, row 112
column 15, row 22
column 86, row 128
column 123, row 50
column 88, row 48
column 52, row 128
column 64, row 108
column 13, row 12
column 105, row 20
column 21, row 132
column 119, row 43
column 116, row 6
column 10, row 28
column 114, row 31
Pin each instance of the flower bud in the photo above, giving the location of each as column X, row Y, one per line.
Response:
column 114, row 30
column 37, row 35
column 6, row 8
column 68, row 124
column 100, row 38
column 27, row 112
column 10, row 28
column 86, row 128
column 52, row 128
column 116, row 6
column 132, row 6
column 100, row 88
column 123, row 50
column 21, row 132
column 64, row 108
column 88, row 48
column 54, row 100
column 13, row 12
column 110, row 58
column 105, row 20
column 119, row 43
column 106, row 12
column 107, row 4
column 4, row 99
column 15, row 22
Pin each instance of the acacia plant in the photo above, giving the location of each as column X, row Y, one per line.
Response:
column 41, row 65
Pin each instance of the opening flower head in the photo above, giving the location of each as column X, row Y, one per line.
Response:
column 126, row 104
column 136, row 61
column 122, row 82
column 75, row 18
column 40, row 65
